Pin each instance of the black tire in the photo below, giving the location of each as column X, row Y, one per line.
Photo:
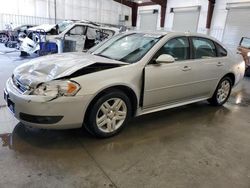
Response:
column 24, row 54
column 214, row 100
column 247, row 72
column 93, row 112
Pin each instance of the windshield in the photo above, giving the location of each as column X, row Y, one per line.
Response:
column 128, row 48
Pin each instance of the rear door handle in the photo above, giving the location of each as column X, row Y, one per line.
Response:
column 186, row 68
column 219, row 64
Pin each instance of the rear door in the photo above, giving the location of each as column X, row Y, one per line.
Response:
column 210, row 59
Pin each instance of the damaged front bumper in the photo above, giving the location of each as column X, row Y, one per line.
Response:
column 45, row 112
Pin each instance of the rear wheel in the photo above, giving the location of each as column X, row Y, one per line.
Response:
column 109, row 114
column 222, row 92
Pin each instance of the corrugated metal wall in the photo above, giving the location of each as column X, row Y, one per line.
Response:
column 43, row 11
column 21, row 20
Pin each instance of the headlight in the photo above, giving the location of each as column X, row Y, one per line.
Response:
column 57, row 88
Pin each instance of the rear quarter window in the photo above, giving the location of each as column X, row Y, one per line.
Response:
column 221, row 52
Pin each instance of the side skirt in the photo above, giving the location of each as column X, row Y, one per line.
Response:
column 141, row 111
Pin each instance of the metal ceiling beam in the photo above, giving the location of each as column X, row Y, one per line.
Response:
column 134, row 14
column 210, row 12
column 126, row 2
column 134, row 7
column 160, row 2
column 163, row 4
column 147, row 4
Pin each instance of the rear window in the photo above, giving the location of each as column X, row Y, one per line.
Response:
column 203, row 48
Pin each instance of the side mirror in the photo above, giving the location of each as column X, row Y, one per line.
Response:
column 165, row 58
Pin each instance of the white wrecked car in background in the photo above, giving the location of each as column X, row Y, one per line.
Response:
column 67, row 36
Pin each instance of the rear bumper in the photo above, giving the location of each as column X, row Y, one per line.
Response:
column 45, row 112
column 239, row 71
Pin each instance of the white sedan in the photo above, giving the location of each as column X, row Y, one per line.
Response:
column 131, row 74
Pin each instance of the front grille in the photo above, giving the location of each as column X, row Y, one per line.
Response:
column 19, row 85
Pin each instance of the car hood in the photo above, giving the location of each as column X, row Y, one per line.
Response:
column 57, row 66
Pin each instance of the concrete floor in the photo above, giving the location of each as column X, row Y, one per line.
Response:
column 192, row 146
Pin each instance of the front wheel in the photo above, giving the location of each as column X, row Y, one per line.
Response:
column 109, row 114
column 222, row 92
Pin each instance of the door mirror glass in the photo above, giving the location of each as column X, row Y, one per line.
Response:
column 245, row 42
column 165, row 58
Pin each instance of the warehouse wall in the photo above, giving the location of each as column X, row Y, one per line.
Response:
column 146, row 8
column 187, row 3
column 219, row 17
column 103, row 11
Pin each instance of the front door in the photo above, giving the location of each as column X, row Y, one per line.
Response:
column 168, row 83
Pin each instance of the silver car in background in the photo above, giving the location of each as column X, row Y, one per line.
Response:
column 131, row 74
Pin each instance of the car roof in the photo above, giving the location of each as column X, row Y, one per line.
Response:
column 175, row 33
column 95, row 25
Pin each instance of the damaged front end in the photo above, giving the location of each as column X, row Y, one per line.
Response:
column 42, row 78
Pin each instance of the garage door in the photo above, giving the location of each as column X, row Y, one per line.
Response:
column 237, row 26
column 186, row 19
column 148, row 21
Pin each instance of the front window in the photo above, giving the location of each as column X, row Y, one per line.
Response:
column 128, row 48
column 176, row 47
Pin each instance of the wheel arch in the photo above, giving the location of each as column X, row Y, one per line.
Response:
column 231, row 76
column 125, row 89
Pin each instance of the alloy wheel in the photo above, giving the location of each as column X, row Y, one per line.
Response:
column 223, row 91
column 111, row 115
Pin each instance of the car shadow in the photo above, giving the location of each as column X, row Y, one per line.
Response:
column 163, row 124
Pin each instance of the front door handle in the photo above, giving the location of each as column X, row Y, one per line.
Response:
column 219, row 64
column 186, row 68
